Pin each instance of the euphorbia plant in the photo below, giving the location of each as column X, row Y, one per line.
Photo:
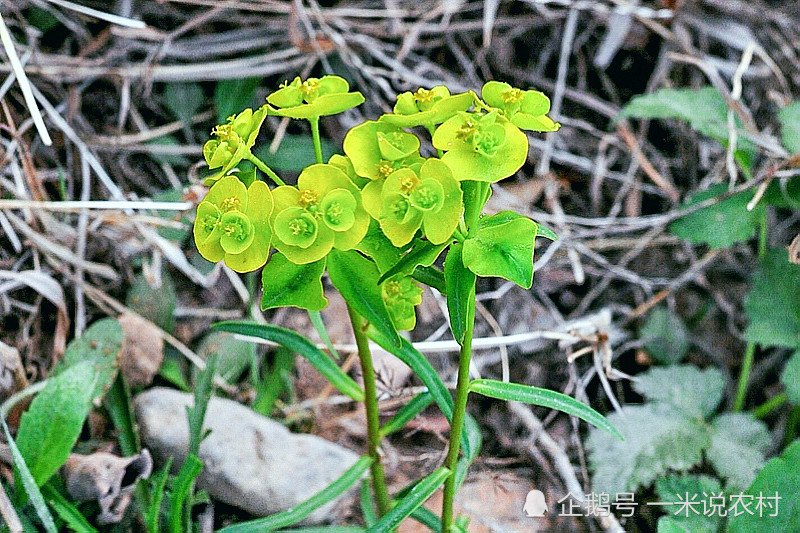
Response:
column 377, row 219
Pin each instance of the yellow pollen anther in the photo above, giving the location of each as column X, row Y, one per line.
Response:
column 230, row 203
column 308, row 198
column 423, row 95
column 309, row 87
column 512, row 96
column 385, row 168
column 408, row 183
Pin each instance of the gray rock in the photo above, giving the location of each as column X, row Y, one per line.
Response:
column 249, row 461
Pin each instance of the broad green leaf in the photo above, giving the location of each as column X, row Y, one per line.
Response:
column 790, row 127
column 695, row 392
column 780, row 478
column 52, row 424
column 356, row 278
column 301, row 345
column 302, row 510
column 738, row 443
column 416, row 497
column 156, row 304
column 722, row 224
column 773, row 303
column 502, row 246
column 231, row 96
column 517, row 392
column 460, row 283
column 233, row 355
column 100, row 344
column 27, row 487
column 665, row 336
column 790, row 377
column 294, row 154
column 675, row 489
column 288, row 284
column 658, row 438
column 184, row 100
column 704, row 109
column 423, row 253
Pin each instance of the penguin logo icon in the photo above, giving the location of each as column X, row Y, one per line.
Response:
column 535, row 506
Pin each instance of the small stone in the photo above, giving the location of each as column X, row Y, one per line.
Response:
column 249, row 461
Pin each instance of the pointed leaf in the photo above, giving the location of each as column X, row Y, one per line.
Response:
column 356, row 278
column 416, row 496
column 302, row 510
column 460, row 284
column 298, row 343
column 101, row 344
column 517, row 392
column 423, row 253
column 773, row 304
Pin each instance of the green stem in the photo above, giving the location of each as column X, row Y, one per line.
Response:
column 373, row 421
column 744, row 376
column 770, row 405
column 265, row 169
column 315, row 137
column 791, row 425
column 457, row 425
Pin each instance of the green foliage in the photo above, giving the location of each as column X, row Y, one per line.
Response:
column 411, row 501
column 156, row 304
column 502, row 245
column 720, row 225
column 196, row 414
column 294, row 153
column 231, row 355
column 682, row 488
column 232, row 95
column 302, row 510
column 790, row 122
column 302, row 346
column 704, row 109
column 673, row 431
column 779, row 477
column 517, row 392
column 665, row 336
column 184, row 100
column 288, row 284
column 460, row 283
column 52, row 424
column 773, row 303
column 100, row 345
column 790, row 377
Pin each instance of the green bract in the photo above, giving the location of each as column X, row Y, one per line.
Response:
column 525, row 109
column 481, row 146
column 324, row 211
column 232, row 224
column 313, row 98
column 401, row 294
column 233, row 141
column 376, row 149
column 408, row 200
column 426, row 107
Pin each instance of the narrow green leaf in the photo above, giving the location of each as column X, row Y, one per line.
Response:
column 28, row 483
column 328, row 529
column 196, row 414
column 368, row 503
column 547, row 233
column 288, row 284
column 356, row 278
column 517, row 392
column 152, row 514
column 298, row 343
column 427, row 518
column 67, row 511
column 53, row 422
column 117, row 404
column 502, row 246
column 181, row 488
column 417, row 404
column 416, row 497
column 460, row 282
column 300, row 511
column 319, row 325
column 423, row 253
column 432, row 277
